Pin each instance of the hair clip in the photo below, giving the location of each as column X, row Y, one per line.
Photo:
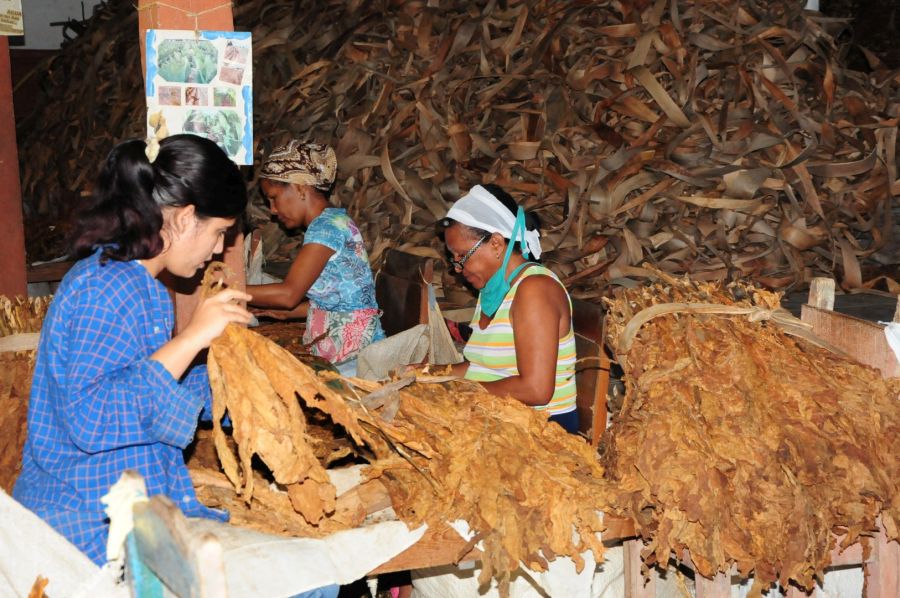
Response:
column 152, row 149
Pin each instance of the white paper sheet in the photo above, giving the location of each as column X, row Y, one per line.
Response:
column 256, row 565
column 11, row 21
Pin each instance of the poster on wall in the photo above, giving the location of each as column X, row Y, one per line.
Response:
column 11, row 22
column 200, row 82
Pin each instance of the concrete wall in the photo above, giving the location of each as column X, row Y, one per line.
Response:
column 39, row 34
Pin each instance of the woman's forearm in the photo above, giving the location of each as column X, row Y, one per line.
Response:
column 177, row 354
column 459, row 369
column 528, row 392
column 278, row 295
column 304, row 272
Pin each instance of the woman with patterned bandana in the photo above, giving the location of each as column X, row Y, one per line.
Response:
column 332, row 268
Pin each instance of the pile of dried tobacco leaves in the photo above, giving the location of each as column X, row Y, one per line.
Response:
column 700, row 136
column 741, row 443
column 444, row 452
column 17, row 316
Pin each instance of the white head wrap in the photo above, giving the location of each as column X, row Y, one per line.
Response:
column 480, row 209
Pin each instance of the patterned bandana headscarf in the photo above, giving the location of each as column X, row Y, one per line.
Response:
column 311, row 164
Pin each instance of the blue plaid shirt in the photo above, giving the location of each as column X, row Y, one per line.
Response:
column 100, row 406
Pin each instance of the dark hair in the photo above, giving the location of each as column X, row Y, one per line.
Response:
column 124, row 214
column 532, row 222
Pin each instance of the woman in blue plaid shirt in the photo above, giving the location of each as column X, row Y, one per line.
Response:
column 112, row 389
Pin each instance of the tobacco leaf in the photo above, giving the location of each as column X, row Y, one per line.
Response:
column 256, row 383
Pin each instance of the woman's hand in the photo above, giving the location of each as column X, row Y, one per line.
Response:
column 209, row 320
column 283, row 314
column 214, row 314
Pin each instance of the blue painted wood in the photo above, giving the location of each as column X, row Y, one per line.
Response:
column 144, row 583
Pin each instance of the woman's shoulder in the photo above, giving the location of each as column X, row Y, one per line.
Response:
column 539, row 274
column 539, row 282
column 104, row 281
column 332, row 216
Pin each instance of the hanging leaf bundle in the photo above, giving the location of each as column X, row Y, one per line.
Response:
column 742, row 443
column 704, row 137
column 256, row 382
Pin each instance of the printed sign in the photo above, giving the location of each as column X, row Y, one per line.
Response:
column 11, row 22
column 200, row 82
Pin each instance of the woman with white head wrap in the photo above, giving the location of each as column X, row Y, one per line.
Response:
column 522, row 342
column 332, row 269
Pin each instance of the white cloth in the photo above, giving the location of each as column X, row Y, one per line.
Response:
column 605, row 580
column 29, row 547
column 480, row 209
column 560, row 579
column 120, row 501
column 892, row 332
column 260, row 565
column 256, row 565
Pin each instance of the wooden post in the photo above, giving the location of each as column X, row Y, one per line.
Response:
column 12, row 229
column 717, row 587
column 635, row 585
column 821, row 293
column 193, row 15
column 883, row 567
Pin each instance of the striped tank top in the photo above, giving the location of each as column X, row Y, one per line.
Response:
column 491, row 352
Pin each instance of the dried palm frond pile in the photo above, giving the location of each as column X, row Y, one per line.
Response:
column 443, row 452
column 704, row 137
column 741, row 443
column 18, row 316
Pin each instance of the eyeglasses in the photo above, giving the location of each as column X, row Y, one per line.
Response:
column 459, row 265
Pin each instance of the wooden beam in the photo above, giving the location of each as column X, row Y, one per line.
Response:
column 193, row 15
column 188, row 15
column 52, row 272
column 717, row 587
column 188, row 564
column 12, row 228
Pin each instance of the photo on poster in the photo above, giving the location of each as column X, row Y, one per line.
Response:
column 224, row 96
column 201, row 82
column 196, row 96
column 169, row 95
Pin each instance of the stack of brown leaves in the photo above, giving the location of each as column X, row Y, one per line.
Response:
column 17, row 316
column 740, row 443
column 701, row 136
column 256, row 382
column 520, row 484
column 445, row 452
